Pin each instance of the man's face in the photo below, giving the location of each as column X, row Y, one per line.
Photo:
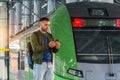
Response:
column 44, row 25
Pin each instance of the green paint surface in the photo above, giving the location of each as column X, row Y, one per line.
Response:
column 62, row 30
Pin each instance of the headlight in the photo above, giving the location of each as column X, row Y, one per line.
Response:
column 75, row 72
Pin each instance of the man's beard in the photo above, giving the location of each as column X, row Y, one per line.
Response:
column 44, row 30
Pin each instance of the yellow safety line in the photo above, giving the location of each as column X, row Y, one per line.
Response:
column 4, row 49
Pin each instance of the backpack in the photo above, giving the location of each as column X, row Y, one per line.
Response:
column 30, row 53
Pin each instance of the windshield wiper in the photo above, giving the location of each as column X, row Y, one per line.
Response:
column 109, row 50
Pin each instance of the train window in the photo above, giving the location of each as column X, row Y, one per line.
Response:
column 78, row 22
column 100, row 22
column 97, row 12
column 92, row 45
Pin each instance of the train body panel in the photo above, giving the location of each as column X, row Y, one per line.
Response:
column 62, row 30
column 83, row 9
column 99, row 71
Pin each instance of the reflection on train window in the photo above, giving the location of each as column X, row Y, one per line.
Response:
column 97, row 46
column 98, row 12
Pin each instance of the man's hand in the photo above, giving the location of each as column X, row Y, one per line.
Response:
column 57, row 44
column 52, row 44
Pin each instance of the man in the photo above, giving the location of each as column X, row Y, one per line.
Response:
column 43, row 46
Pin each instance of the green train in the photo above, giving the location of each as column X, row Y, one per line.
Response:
column 89, row 33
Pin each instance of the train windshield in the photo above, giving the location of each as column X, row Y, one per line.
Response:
column 97, row 46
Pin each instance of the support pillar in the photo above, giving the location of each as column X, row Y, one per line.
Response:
column 18, row 17
column 51, row 6
column 11, row 22
column 26, row 14
column 37, row 9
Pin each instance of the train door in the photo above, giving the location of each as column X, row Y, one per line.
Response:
column 4, row 55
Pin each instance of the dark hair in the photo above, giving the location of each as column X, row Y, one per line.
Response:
column 44, row 19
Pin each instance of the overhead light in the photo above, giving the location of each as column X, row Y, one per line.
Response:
column 43, row 6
